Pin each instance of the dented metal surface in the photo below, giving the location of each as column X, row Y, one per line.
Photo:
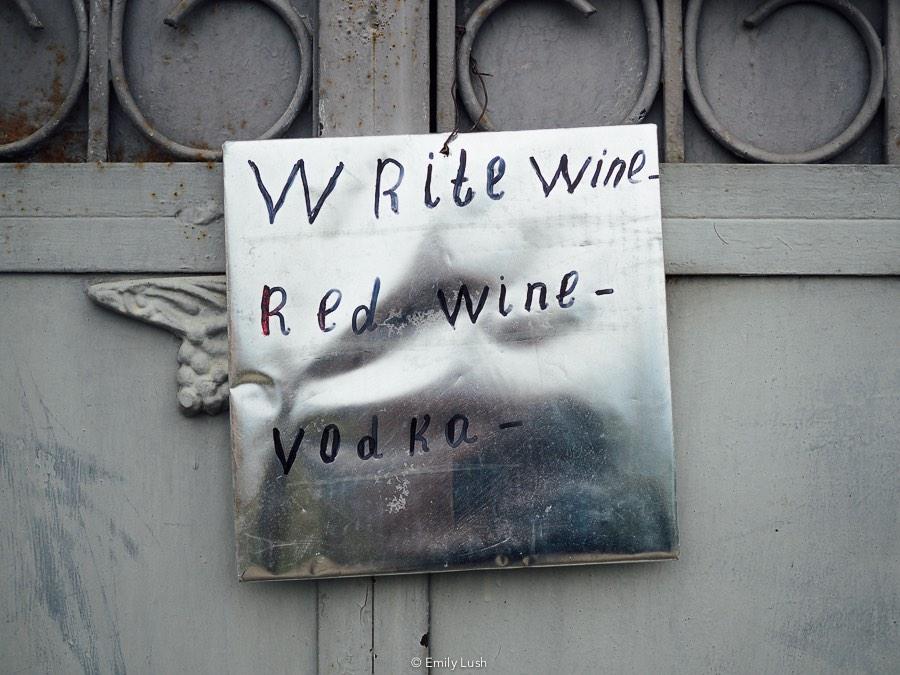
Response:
column 519, row 429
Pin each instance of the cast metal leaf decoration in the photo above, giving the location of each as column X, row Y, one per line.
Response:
column 194, row 309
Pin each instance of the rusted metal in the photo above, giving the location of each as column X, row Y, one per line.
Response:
column 477, row 109
column 747, row 150
column 98, row 83
column 120, row 80
column 68, row 102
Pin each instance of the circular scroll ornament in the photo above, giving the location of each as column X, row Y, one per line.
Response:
column 476, row 110
column 45, row 130
column 747, row 150
column 185, row 7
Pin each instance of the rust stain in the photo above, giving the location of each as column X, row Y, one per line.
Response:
column 65, row 146
column 153, row 154
column 15, row 126
column 56, row 92
column 59, row 53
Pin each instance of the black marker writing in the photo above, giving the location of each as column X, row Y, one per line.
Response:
column 286, row 462
column 463, row 295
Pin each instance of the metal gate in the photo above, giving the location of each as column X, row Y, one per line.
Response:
column 780, row 129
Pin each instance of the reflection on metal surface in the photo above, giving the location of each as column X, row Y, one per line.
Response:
column 193, row 308
column 120, row 81
column 468, row 379
column 477, row 109
column 65, row 107
column 746, row 149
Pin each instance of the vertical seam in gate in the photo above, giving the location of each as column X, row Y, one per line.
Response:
column 892, row 76
column 372, row 648
column 673, row 81
column 98, row 81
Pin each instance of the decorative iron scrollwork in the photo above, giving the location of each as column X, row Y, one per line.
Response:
column 120, row 81
column 485, row 9
column 749, row 151
column 45, row 130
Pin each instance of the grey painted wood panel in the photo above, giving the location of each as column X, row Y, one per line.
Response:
column 718, row 219
column 785, row 191
column 117, row 542
column 118, row 539
column 786, row 427
column 401, row 623
column 345, row 626
column 781, row 247
column 107, row 244
column 107, row 190
column 735, row 219
column 692, row 246
column 688, row 190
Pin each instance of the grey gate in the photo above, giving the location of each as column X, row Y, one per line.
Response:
column 781, row 205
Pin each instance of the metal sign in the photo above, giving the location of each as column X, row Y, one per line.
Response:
column 448, row 361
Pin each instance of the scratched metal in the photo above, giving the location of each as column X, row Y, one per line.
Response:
column 568, row 456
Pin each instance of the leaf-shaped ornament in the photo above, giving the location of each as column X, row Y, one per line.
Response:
column 194, row 309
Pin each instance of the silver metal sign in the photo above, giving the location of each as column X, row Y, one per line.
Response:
column 446, row 362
